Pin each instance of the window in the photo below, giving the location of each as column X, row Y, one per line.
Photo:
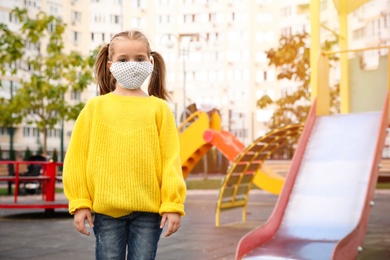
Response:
column 245, row 74
column 233, row 36
column 219, row 17
column 260, row 37
column 262, row 2
column 269, row 36
column 53, row 133
column 323, row 5
column 115, row 19
column 286, row 31
column 138, row 22
column 261, row 56
column 286, row 11
column 30, row 132
column 211, row 17
column 264, row 18
column 76, row 37
column 76, row 17
column 213, row 75
column 263, row 115
column 188, row 18
column 261, row 76
column 138, row 3
column 265, row 37
column 51, row 27
column 75, row 95
column 221, row 75
column 229, row 75
column 233, row 56
column 270, row 76
column 26, row 131
column 241, row 17
column 237, row 75
column 358, row 33
column 4, row 131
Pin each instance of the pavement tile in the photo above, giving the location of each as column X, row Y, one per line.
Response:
column 30, row 234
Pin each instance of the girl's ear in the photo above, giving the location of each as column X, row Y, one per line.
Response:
column 151, row 60
column 109, row 63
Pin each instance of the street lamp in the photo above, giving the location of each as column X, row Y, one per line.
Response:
column 11, row 129
column 184, row 52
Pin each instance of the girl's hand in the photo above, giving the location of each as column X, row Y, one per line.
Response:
column 80, row 216
column 173, row 222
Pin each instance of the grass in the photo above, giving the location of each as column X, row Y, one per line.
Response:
column 201, row 184
column 4, row 191
column 383, row 186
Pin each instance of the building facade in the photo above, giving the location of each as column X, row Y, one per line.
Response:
column 215, row 50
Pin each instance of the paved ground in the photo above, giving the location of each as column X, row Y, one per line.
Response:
column 29, row 234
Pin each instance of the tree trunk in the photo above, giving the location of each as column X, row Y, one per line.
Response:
column 44, row 147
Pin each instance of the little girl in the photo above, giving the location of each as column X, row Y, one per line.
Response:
column 123, row 159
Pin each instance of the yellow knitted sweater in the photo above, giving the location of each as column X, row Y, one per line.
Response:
column 124, row 156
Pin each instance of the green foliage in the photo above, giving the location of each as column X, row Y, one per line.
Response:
column 55, row 155
column 12, row 155
column 27, row 154
column 40, row 151
column 36, row 51
column 292, row 60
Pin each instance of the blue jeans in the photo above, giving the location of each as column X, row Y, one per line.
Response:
column 138, row 232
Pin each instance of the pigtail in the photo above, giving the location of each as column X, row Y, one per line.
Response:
column 157, row 84
column 105, row 81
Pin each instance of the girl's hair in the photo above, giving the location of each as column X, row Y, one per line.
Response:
column 106, row 82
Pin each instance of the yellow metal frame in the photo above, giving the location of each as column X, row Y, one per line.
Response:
column 266, row 145
column 323, row 77
column 344, row 7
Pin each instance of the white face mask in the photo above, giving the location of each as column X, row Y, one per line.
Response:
column 131, row 75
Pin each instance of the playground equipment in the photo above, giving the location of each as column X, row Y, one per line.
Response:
column 241, row 174
column 47, row 180
column 322, row 212
column 323, row 209
column 192, row 144
column 226, row 142
column 201, row 130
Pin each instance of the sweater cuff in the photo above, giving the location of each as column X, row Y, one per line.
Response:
column 79, row 204
column 169, row 207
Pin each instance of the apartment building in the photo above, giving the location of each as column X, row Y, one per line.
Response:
column 214, row 50
column 74, row 13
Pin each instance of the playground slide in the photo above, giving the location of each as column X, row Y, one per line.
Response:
column 230, row 146
column 226, row 143
column 192, row 144
column 268, row 180
column 323, row 210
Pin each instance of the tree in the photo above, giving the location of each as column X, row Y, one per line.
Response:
column 292, row 60
column 9, row 55
column 55, row 155
column 27, row 154
column 35, row 55
column 40, row 151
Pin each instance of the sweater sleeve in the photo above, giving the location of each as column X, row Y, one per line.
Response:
column 74, row 172
column 173, row 188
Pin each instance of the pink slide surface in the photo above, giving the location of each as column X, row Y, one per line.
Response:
column 323, row 210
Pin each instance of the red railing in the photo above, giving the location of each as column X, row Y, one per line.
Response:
column 47, row 178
